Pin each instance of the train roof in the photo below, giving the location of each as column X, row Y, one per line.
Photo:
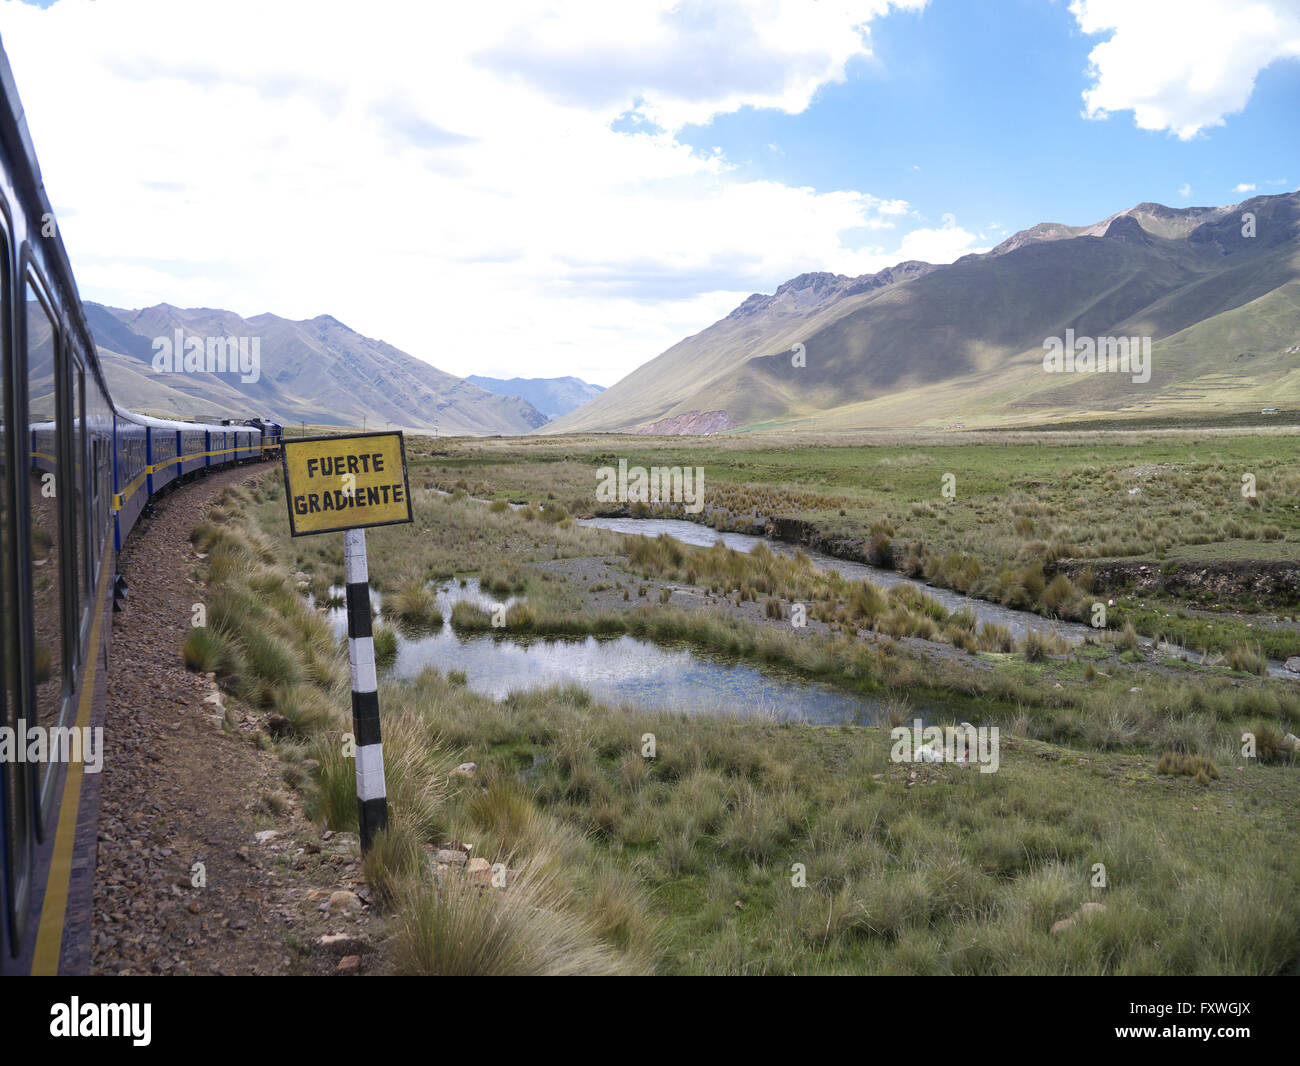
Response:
column 175, row 423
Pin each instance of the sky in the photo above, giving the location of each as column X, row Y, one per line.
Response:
column 543, row 189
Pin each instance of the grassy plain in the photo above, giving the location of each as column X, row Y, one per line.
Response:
column 1019, row 506
column 746, row 846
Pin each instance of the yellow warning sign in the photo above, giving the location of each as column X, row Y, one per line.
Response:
column 335, row 483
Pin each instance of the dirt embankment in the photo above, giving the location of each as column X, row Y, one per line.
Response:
column 807, row 535
column 1265, row 583
column 1261, row 582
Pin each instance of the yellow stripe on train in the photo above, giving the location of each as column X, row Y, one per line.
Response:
column 120, row 498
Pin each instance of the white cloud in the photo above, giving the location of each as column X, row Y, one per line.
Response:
column 686, row 61
column 935, row 245
column 1182, row 68
column 1185, row 190
column 1243, row 187
column 442, row 178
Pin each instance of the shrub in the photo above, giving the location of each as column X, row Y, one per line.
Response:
column 470, row 617
column 414, row 604
column 1270, row 745
column 385, row 646
column 206, row 649
column 1181, row 764
column 521, row 616
column 1248, row 660
column 451, row 927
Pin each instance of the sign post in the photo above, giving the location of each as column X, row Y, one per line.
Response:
column 334, row 484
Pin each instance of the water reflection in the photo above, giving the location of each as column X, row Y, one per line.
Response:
column 620, row 672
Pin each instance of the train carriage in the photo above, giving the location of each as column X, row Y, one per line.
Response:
column 164, row 447
column 194, row 449
column 240, row 442
column 130, row 472
column 215, row 446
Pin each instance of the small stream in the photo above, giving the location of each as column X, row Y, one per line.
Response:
column 642, row 675
column 1018, row 622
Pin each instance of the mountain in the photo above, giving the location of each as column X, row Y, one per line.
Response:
column 316, row 371
column 552, row 396
column 924, row 345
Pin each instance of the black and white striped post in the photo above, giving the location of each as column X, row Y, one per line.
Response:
column 372, row 795
column 343, row 484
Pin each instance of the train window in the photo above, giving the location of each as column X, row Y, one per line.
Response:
column 15, row 801
column 96, row 523
column 45, row 486
column 79, row 556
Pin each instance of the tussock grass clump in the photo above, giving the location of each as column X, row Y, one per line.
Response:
column 308, row 709
column 234, row 608
column 1058, row 592
column 332, row 801
column 396, row 858
column 1248, row 660
column 866, row 602
column 272, row 662
column 502, row 585
column 385, row 640
column 1179, row 764
column 1127, row 639
column 416, row 766
column 520, row 616
column 1270, row 746
column 414, row 604
column 531, row 928
column 470, row 617
column 993, row 637
column 207, row 648
column 1038, row 645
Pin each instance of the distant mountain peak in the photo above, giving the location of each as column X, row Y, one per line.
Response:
column 1128, row 228
column 919, row 344
column 554, row 397
column 316, row 371
column 816, row 280
column 822, row 287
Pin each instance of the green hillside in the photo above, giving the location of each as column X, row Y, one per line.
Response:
column 964, row 343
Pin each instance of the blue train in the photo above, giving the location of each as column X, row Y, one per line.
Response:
column 152, row 453
column 76, row 473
